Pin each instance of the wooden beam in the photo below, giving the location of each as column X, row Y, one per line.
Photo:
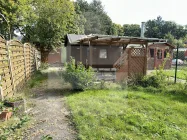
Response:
column 1, row 89
column 81, row 52
column 10, row 66
column 90, row 54
column 68, row 52
column 145, row 60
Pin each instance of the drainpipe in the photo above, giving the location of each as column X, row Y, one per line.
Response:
column 142, row 29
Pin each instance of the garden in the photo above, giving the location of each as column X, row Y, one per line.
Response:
column 143, row 107
column 146, row 107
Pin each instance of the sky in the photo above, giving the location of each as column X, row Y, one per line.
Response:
column 137, row 11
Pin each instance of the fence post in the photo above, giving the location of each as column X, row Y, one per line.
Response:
column 1, row 89
column 36, row 59
column 10, row 65
column 25, row 63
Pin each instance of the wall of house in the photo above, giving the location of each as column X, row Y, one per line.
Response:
column 113, row 53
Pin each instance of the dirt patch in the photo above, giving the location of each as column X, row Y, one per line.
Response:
column 49, row 112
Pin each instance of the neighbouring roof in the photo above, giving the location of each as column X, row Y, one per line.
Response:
column 108, row 40
column 161, row 44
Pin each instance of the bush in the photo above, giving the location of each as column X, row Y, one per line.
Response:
column 152, row 81
column 78, row 76
column 135, row 79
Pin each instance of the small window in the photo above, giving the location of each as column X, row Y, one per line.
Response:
column 103, row 53
column 166, row 53
column 159, row 54
column 152, row 51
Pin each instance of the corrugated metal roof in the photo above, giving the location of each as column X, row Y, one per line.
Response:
column 73, row 38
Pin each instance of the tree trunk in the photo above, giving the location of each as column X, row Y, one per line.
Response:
column 44, row 56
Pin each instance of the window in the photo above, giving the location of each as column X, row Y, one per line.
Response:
column 159, row 54
column 166, row 53
column 152, row 51
column 103, row 53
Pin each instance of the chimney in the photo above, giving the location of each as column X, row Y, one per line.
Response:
column 142, row 29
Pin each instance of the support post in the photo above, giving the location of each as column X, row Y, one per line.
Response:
column 145, row 60
column 10, row 66
column 81, row 52
column 36, row 58
column 25, row 63
column 176, row 65
column 68, row 52
column 90, row 54
column 1, row 89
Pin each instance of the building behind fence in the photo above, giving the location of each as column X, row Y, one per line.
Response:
column 17, row 63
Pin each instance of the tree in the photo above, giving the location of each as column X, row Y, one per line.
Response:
column 49, row 22
column 116, row 29
column 8, row 17
column 97, row 20
column 158, row 28
column 131, row 30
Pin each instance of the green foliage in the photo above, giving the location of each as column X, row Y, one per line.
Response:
column 159, row 28
column 131, row 30
column 49, row 21
column 78, row 76
column 47, row 137
column 44, row 66
column 8, row 131
column 8, row 19
column 36, row 79
column 135, row 79
column 14, row 99
column 97, row 20
column 117, row 30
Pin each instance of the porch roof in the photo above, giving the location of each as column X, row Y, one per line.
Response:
column 96, row 39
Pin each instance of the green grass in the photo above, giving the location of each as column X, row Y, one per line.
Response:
column 36, row 79
column 181, row 74
column 108, row 114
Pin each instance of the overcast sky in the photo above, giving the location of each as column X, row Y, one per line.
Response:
column 136, row 11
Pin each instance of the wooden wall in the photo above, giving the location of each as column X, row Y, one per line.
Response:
column 113, row 54
column 17, row 63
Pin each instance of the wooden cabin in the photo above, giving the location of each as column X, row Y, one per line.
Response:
column 110, row 53
column 157, row 53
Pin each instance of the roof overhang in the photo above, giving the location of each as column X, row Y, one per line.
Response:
column 110, row 40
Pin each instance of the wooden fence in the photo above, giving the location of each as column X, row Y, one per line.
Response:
column 17, row 63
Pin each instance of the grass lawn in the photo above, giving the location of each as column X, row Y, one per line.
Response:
column 115, row 115
column 181, row 74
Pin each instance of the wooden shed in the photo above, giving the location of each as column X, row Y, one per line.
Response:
column 110, row 52
column 157, row 53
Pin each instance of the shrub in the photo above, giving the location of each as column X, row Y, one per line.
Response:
column 135, row 79
column 78, row 76
column 152, row 81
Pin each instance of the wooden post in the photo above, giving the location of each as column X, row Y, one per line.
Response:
column 68, row 52
column 129, row 59
column 1, row 89
column 81, row 52
column 25, row 63
column 155, row 57
column 145, row 60
column 10, row 66
column 36, row 58
column 90, row 54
